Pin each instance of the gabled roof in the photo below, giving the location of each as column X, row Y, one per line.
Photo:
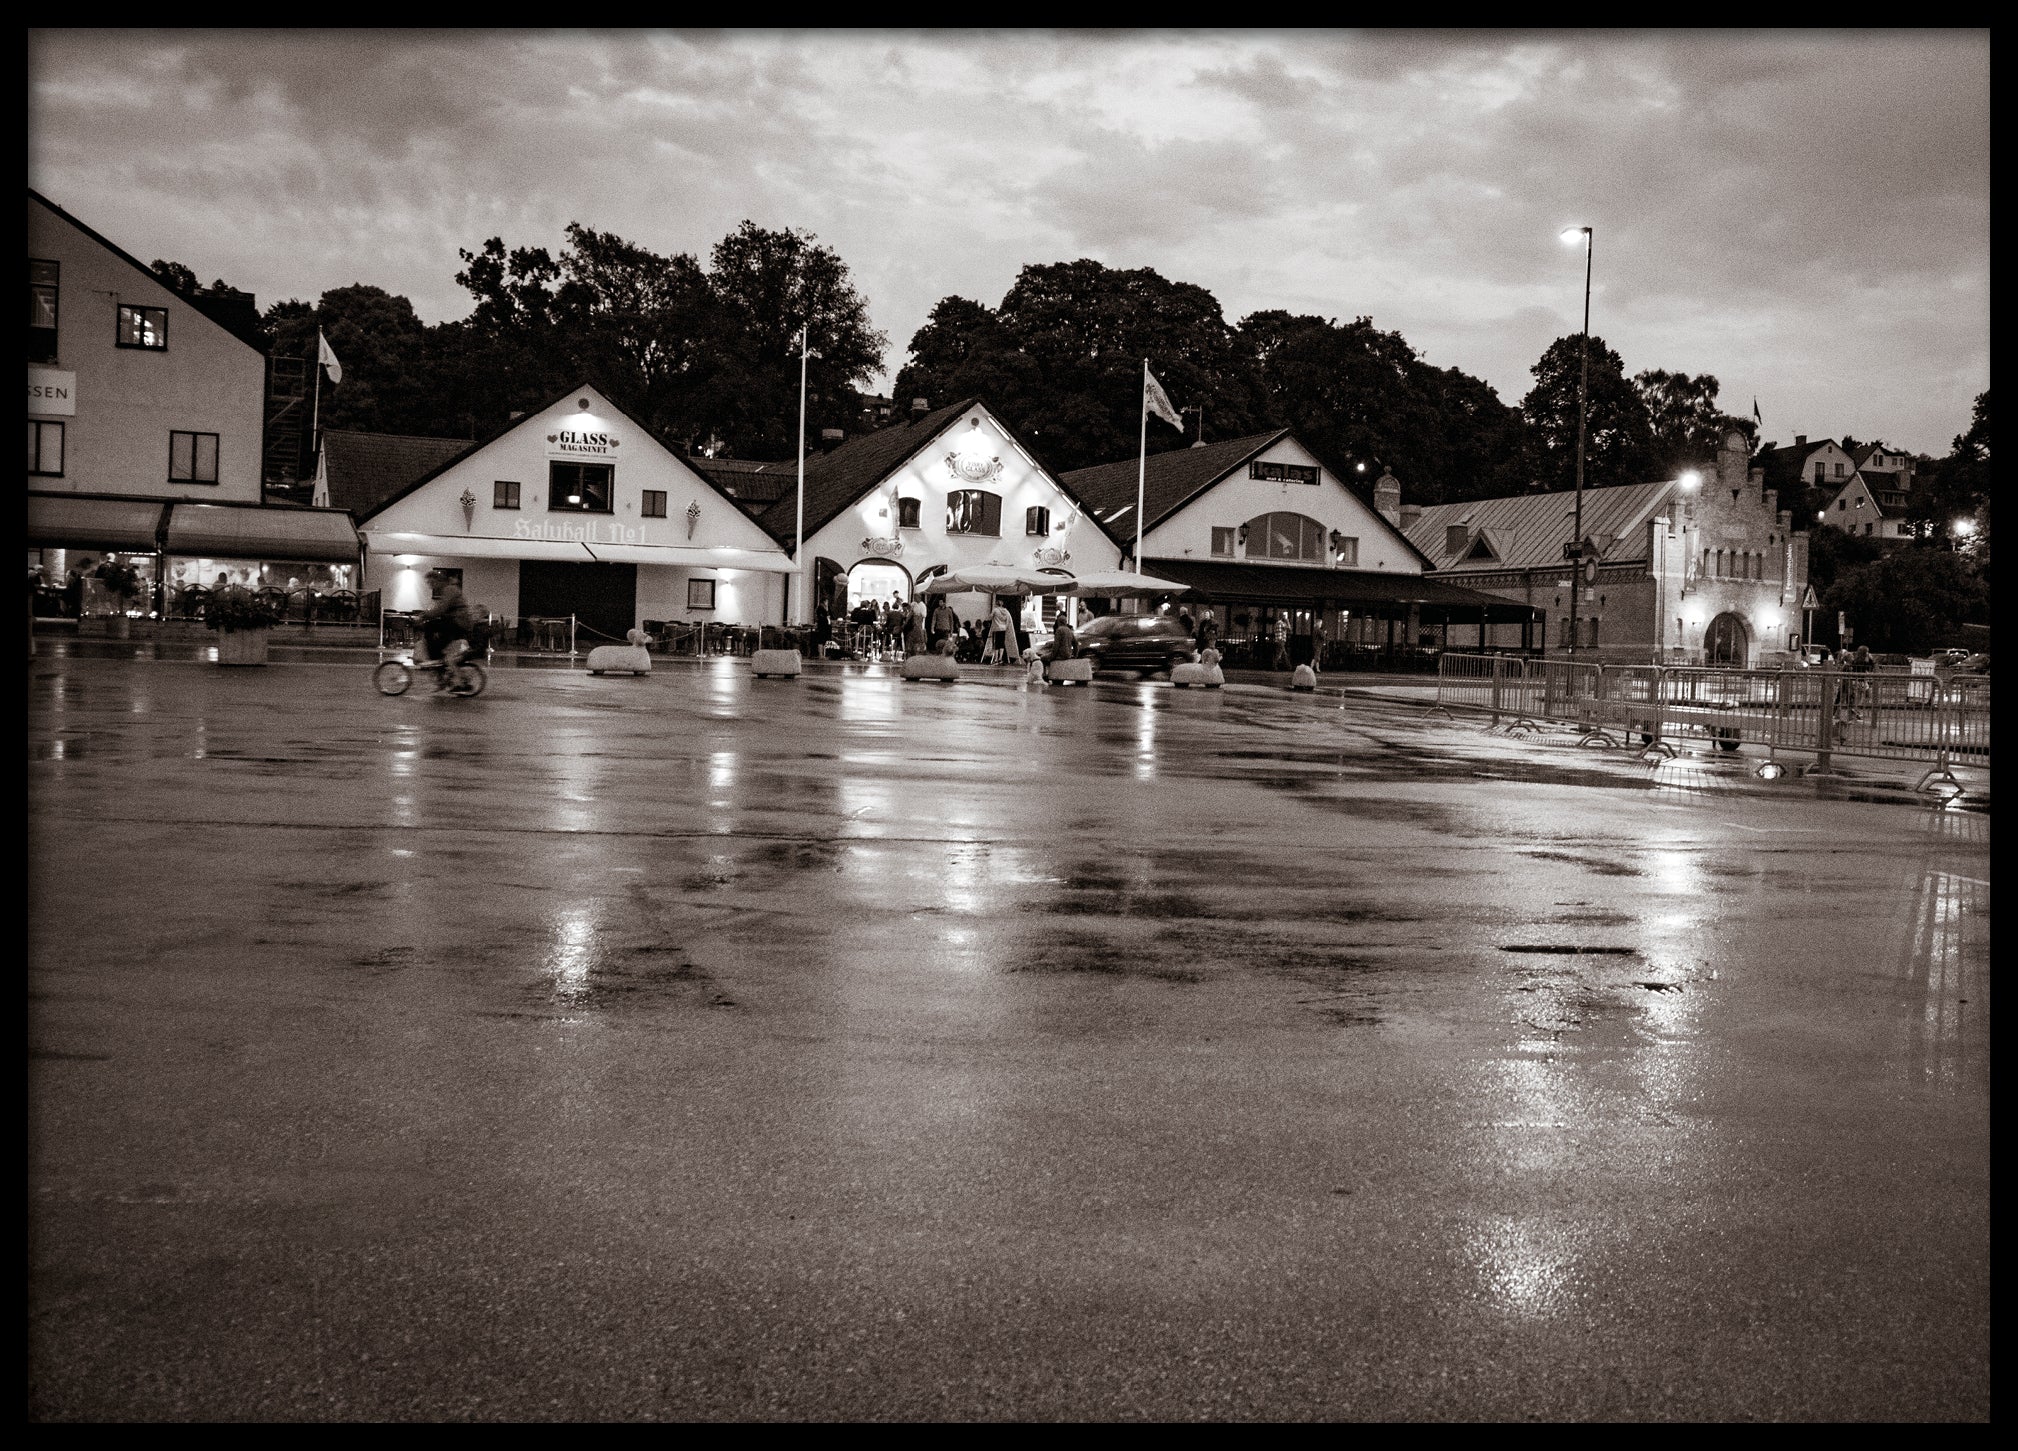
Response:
column 527, row 417
column 1170, row 480
column 1857, row 483
column 366, row 469
column 1530, row 530
column 837, row 479
column 749, row 482
column 223, row 314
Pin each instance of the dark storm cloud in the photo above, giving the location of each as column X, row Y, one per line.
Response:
column 1803, row 214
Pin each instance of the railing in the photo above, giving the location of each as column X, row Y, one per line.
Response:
column 1884, row 715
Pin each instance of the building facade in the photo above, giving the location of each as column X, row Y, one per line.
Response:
column 575, row 512
column 146, row 428
column 1294, row 564
column 1687, row 570
column 889, row 510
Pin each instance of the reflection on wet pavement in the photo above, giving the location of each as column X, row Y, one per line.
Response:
column 913, row 1050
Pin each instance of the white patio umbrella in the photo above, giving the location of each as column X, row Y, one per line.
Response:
column 1000, row 579
column 1119, row 584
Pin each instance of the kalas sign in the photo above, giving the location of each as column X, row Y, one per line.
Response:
column 589, row 531
column 580, row 443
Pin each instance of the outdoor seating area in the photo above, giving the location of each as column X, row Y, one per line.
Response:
column 709, row 637
column 301, row 606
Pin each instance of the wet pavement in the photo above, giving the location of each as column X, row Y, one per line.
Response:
column 697, row 1046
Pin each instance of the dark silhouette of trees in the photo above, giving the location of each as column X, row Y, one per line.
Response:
column 1618, row 447
column 1688, row 427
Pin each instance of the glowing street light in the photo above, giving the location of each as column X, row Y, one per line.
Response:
column 1571, row 236
column 1690, row 481
column 1963, row 528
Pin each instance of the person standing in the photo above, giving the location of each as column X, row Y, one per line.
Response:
column 1208, row 630
column 995, row 652
column 914, row 631
column 944, row 623
column 73, row 593
column 1281, row 636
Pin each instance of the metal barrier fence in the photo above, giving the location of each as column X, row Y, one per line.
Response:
column 1902, row 717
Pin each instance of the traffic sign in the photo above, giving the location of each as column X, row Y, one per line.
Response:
column 1808, row 600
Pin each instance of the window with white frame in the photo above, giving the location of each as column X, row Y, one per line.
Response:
column 1222, row 543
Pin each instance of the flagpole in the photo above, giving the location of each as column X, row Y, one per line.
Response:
column 799, row 526
column 315, row 416
column 1141, row 465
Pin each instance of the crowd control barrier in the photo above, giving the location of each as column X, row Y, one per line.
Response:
column 1935, row 720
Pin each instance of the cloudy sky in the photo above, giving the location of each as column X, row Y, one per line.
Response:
column 1803, row 214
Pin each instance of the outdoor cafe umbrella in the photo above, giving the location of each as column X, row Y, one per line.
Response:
column 1119, row 584
column 999, row 579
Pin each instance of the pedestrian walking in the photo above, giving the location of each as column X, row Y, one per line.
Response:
column 1281, row 635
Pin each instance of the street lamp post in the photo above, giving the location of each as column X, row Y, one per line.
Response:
column 1574, row 235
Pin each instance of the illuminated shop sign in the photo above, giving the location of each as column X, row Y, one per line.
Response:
column 1282, row 473
column 588, row 531
column 51, row 391
column 581, row 442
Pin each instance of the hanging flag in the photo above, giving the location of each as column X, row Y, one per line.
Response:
column 326, row 355
column 1755, row 410
column 1157, row 401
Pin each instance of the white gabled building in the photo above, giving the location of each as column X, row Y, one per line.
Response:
column 950, row 488
column 1282, row 549
column 576, row 510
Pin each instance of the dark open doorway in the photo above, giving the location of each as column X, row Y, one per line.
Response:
column 602, row 597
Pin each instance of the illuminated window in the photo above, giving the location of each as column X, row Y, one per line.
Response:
column 142, row 327
column 45, row 448
column 654, row 506
column 973, row 511
column 192, row 458
column 579, row 488
column 1285, row 536
column 504, row 494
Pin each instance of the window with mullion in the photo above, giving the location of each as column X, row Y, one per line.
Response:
column 45, row 448
column 142, row 327
column 192, row 458
column 44, row 278
column 973, row 511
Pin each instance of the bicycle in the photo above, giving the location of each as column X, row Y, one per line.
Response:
column 465, row 676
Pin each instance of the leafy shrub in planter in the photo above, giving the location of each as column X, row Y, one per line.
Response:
column 235, row 609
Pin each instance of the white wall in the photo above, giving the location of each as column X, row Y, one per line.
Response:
column 743, row 596
column 128, row 400
column 1021, row 483
column 1235, row 500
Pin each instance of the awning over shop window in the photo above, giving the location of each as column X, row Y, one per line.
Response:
column 691, row 558
column 55, row 521
column 456, row 546
column 1357, row 589
column 224, row 531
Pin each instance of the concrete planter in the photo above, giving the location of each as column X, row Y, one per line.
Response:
column 930, row 667
column 775, row 662
column 1064, row 672
column 1303, row 678
column 1210, row 677
column 242, row 647
column 627, row 659
column 118, row 627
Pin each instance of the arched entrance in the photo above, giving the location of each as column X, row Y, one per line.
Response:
column 877, row 579
column 1727, row 641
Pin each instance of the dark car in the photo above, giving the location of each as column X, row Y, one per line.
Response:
column 1131, row 642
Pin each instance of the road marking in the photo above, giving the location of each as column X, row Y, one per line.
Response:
column 1742, row 827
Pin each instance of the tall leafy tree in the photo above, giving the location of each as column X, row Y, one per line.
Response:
column 1908, row 599
column 1958, row 488
column 1618, row 445
column 1688, row 426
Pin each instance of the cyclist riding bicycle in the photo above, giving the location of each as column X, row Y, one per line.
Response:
column 445, row 621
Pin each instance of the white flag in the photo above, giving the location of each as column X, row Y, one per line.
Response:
column 1157, row 401
column 326, row 355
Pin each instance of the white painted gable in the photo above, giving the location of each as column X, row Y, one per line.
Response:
column 972, row 452
column 462, row 500
column 1240, row 498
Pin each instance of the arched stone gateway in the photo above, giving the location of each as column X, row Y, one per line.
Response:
column 1727, row 641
